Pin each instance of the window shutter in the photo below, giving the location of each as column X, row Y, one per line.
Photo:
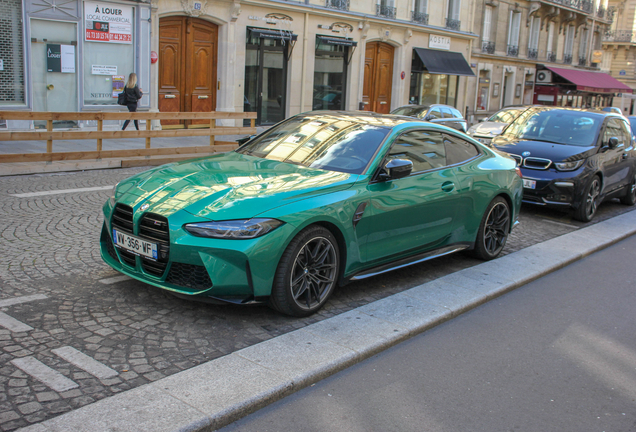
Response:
column 569, row 40
column 550, row 36
column 583, row 44
column 513, row 34
column 533, row 42
column 485, row 34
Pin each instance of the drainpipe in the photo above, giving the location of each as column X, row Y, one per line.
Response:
column 304, row 66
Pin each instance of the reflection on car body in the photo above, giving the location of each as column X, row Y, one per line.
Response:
column 317, row 200
column 435, row 113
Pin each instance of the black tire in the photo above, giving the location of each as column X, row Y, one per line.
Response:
column 493, row 230
column 588, row 206
column 307, row 273
column 630, row 193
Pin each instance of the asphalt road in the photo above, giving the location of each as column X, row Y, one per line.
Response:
column 558, row 354
column 49, row 230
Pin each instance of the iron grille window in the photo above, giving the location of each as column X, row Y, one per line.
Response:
column 582, row 61
column 488, row 47
column 567, row 58
column 550, row 56
column 337, row 4
column 533, row 54
column 385, row 11
column 453, row 24
column 419, row 17
column 513, row 51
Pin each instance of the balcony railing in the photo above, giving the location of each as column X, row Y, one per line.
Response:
column 419, row 17
column 385, row 11
column 618, row 36
column 488, row 47
column 582, row 61
column 567, row 58
column 582, row 5
column 337, row 4
column 550, row 56
column 512, row 51
column 453, row 24
column 533, row 53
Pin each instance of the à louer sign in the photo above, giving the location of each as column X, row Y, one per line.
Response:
column 107, row 22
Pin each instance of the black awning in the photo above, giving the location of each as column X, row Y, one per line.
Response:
column 336, row 41
column 444, row 62
column 273, row 34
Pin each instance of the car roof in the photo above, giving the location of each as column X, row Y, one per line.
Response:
column 581, row 110
column 368, row 117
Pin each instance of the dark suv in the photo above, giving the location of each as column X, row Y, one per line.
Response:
column 442, row 114
column 572, row 158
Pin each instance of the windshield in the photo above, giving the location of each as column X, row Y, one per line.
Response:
column 578, row 128
column 506, row 116
column 330, row 142
column 410, row 111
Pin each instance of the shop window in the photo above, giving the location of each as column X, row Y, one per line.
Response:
column 105, row 62
column 330, row 75
column 11, row 53
column 482, row 94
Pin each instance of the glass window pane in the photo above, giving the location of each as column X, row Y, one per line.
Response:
column 12, row 54
column 458, row 151
column 329, row 73
column 424, row 148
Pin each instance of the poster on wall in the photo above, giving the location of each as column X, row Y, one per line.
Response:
column 60, row 58
column 118, row 84
column 107, row 22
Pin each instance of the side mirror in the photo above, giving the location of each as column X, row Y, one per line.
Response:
column 483, row 120
column 398, row 168
column 428, row 118
column 243, row 140
column 612, row 143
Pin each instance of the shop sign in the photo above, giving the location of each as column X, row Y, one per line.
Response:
column 118, row 84
column 439, row 42
column 103, row 70
column 60, row 58
column 107, row 22
column 597, row 56
column 622, row 72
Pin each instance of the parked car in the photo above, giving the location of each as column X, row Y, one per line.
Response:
column 317, row 200
column 492, row 126
column 572, row 158
column 632, row 125
column 615, row 110
column 437, row 113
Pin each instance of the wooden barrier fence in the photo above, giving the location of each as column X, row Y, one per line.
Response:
column 50, row 135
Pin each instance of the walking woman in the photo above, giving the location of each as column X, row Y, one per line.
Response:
column 133, row 94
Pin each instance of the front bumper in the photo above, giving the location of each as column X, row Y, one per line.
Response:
column 559, row 189
column 237, row 271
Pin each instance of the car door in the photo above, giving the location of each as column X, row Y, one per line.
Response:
column 615, row 162
column 414, row 213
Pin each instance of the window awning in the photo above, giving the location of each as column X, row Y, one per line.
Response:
column 336, row 41
column 444, row 62
column 595, row 82
column 273, row 34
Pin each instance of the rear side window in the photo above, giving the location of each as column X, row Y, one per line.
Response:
column 435, row 114
column 425, row 149
column 456, row 113
column 447, row 112
column 458, row 150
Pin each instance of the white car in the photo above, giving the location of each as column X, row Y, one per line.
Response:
column 489, row 128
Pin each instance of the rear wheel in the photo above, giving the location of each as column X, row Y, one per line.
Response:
column 307, row 273
column 493, row 230
column 630, row 193
column 587, row 209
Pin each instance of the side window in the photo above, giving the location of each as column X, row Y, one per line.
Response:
column 456, row 113
column 626, row 133
column 424, row 148
column 458, row 150
column 446, row 112
column 613, row 129
column 435, row 114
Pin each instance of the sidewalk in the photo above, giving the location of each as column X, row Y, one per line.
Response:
column 216, row 393
column 26, row 147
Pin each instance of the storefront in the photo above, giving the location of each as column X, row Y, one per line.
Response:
column 331, row 72
column 78, row 55
column 576, row 88
column 435, row 76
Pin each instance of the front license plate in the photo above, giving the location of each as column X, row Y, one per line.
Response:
column 135, row 244
column 529, row 184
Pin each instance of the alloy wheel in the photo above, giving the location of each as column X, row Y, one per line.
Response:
column 314, row 272
column 496, row 228
column 591, row 200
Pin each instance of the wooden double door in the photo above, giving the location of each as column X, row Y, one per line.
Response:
column 378, row 77
column 187, row 67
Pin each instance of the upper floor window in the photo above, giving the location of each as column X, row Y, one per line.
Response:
column 487, row 29
column 452, row 17
column 385, row 8
column 513, row 33
column 420, row 12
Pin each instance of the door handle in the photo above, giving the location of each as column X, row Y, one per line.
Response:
column 448, row 186
column 383, row 103
column 170, row 96
column 203, row 97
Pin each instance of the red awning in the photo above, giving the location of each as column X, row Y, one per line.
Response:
column 596, row 82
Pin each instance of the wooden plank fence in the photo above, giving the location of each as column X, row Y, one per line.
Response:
column 50, row 135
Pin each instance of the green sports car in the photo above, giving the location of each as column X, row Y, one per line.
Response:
column 317, row 200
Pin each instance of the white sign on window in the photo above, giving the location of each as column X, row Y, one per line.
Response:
column 103, row 70
column 68, row 58
column 108, row 22
column 439, row 42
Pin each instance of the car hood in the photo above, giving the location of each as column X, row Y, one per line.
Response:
column 227, row 186
column 489, row 128
column 541, row 149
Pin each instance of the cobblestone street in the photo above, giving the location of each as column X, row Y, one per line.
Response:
column 57, row 297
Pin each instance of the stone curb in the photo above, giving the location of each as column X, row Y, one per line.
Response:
column 223, row 390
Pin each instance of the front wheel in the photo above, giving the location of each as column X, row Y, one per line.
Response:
column 307, row 273
column 493, row 230
column 587, row 209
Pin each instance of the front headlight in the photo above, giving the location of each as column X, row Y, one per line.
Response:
column 233, row 229
column 112, row 195
column 569, row 166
